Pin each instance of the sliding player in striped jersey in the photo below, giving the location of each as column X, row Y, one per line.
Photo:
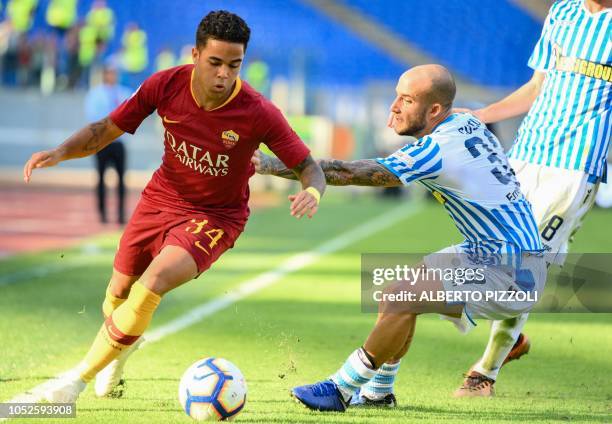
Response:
column 465, row 168
column 560, row 151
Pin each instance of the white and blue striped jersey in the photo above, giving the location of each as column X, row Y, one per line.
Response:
column 569, row 125
column 464, row 166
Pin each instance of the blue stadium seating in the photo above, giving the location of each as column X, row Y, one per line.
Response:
column 482, row 40
column 486, row 41
column 287, row 34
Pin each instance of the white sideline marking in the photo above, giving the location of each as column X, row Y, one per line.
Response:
column 292, row 264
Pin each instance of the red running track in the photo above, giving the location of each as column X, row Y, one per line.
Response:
column 36, row 218
column 39, row 218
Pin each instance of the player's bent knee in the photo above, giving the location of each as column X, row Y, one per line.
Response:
column 156, row 282
column 120, row 284
column 172, row 267
column 162, row 281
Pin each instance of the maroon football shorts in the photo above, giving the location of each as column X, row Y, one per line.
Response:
column 150, row 229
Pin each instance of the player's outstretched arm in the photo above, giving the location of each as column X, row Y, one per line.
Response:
column 87, row 141
column 515, row 104
column 363, row 172
column 311, row 176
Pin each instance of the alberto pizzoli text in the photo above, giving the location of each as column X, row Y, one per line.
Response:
column 456, row 296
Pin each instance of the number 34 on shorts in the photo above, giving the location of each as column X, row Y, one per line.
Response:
column 210, row 236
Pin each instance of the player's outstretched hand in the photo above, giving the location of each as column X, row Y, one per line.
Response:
column 303, row 203
column 261, row 162
column 40, row 160
column 476, row 113
column 462, row 110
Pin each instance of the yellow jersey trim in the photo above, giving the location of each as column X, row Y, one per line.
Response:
column 237, row 88
column 191, row 89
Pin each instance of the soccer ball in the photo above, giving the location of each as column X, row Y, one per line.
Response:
column 212, row 389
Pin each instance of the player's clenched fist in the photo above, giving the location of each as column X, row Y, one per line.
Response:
column 306, row 202
column 40, row 160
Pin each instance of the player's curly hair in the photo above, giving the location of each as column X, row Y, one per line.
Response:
column 222, row 25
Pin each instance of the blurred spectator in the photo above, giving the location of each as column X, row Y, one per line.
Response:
column 88, row 49
column 186, row 57
column 135, row 53
column 165, row 59
column 99, row 102
column 24, row 60
column 21, row 14
column 5, row 33
column 9, row 41
column 72, row 50
column 36, row 46
column 61, row 15
column 101, row 20
column 18, row 54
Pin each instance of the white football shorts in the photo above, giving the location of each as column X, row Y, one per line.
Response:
column 502, row 293
column 560, row 198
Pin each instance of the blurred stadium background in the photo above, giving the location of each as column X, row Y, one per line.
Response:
column 331, row 66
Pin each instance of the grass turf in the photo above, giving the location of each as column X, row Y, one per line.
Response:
column 300, row 329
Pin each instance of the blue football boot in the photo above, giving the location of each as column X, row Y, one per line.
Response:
column 321, row 396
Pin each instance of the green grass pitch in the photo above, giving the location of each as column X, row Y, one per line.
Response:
column 300, row 329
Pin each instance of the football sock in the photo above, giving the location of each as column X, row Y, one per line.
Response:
column 120, row 330
column 503, row 336
column 382, row 383
column 356, row 371
column 110, row 303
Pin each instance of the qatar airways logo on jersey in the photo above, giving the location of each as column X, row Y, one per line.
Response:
column 198, row 159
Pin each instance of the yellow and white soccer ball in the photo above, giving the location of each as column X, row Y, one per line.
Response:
column 212, row 389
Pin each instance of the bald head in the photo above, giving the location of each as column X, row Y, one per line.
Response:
column 425, row 97
column 434, row 82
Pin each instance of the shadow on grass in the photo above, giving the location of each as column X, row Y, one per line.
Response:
column 513, row 414
column 321, row 333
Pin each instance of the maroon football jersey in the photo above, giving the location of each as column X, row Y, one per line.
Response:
column 207, row 154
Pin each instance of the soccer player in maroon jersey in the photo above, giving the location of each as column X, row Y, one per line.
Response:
column 195, row 206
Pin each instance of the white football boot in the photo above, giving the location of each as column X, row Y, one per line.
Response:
column 108, row 380
column 64, row 389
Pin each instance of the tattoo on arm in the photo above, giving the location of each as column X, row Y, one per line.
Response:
column 364, row 172
column 97, row 130
column 310, row 174
column 90, row 139
column 274, row 166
